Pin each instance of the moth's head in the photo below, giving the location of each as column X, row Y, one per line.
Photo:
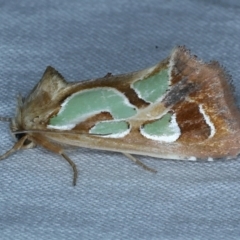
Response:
column 19, row 135
column 23, row 140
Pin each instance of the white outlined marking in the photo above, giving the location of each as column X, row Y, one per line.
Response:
column 173, row 125
column 208, row 121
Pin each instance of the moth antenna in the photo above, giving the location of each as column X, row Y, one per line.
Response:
column 5, row 119
column 139, row 163
column 17, row 146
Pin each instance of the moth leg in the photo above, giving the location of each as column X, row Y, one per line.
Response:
column 17, row 146
column 74, row 168
column 139, row 163
column 44, row 142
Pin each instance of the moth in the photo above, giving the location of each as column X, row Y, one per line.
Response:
column 181, row 108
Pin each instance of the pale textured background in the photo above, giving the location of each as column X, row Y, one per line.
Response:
column 114, row 199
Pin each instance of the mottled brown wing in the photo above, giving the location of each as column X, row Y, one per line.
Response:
column 201, row 96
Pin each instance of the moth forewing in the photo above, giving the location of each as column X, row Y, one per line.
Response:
column 180, row 108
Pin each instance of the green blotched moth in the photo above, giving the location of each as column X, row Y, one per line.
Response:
column 181, row 108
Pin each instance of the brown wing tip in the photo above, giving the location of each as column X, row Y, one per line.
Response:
column 183, row 54
column 216, row 83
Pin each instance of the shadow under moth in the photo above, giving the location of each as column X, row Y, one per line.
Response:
column 181, row 108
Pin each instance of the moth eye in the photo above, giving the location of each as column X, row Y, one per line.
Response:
column 20, row 135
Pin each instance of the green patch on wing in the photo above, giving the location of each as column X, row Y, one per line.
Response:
column 152, row 88
column 81, row 105
column 164, row 129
